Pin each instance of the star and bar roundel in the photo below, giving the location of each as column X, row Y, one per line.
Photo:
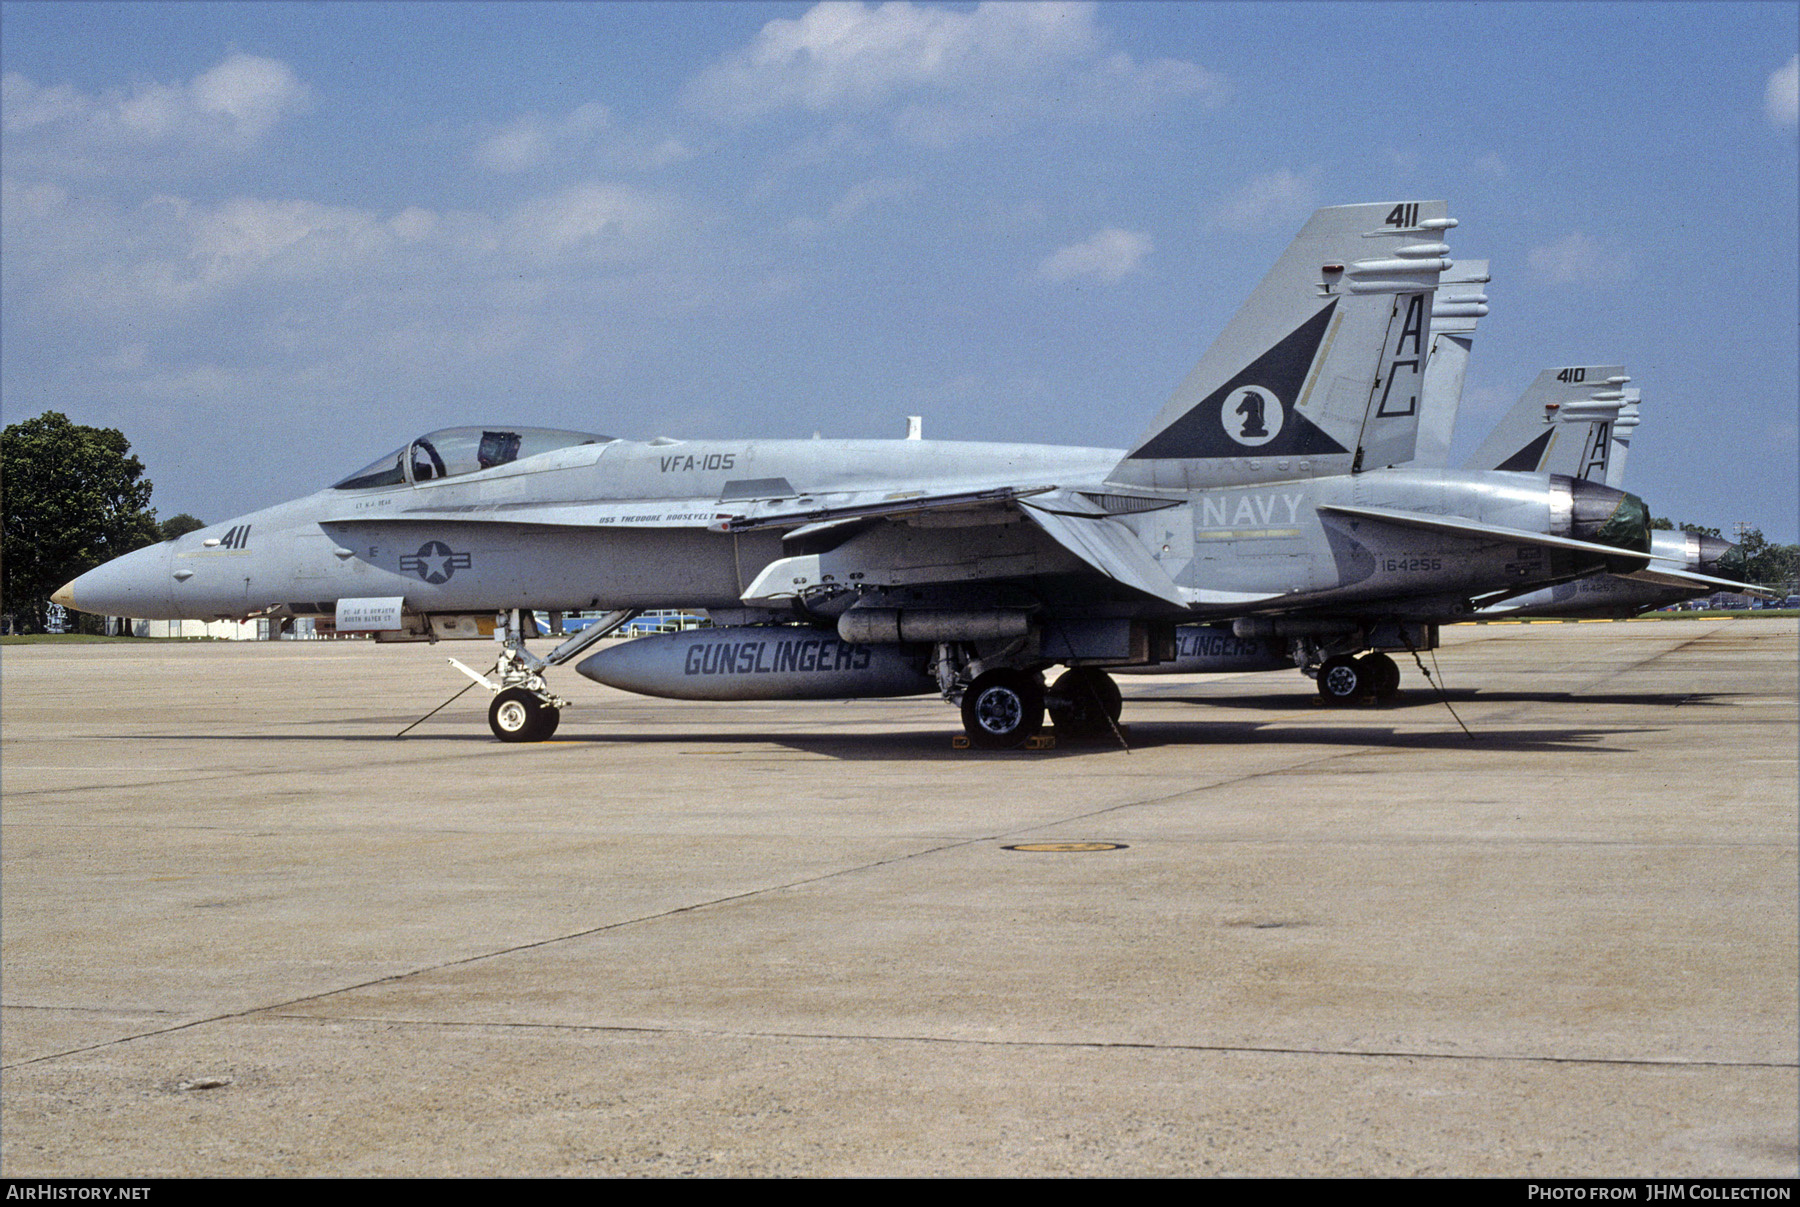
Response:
column 435, row 562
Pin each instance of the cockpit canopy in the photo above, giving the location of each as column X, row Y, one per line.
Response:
column 452, row 451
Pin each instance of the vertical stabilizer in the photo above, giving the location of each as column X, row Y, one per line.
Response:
column 1459, row 304
column 1562, row 424
column 1622, row 428
column 1320, row 371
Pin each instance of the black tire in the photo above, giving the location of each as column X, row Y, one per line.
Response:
column 1384, row 675
column 1084, row 702
column 516, row 715
column 1342, row 681
column 1002, row 709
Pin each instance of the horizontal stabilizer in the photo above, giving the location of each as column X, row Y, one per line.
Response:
column 1206, row 595
column 1663, row 574
column 1476, row 530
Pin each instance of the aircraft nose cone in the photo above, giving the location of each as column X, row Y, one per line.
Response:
column 136, row 584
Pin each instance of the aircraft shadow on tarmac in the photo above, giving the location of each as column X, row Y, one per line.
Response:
column 1205, row 728
column 927, row 745
column 1148, row 735
column 1302, row 703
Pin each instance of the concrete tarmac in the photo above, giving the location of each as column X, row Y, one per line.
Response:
column 247, row 931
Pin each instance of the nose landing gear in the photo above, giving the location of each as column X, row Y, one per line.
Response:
column 517, row 715
column 524, row 707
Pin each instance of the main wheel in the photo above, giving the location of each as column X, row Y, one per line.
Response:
column 1084, row 701
column 516, row 715
column 1383, row 673
column 1342, row 681
column 1003, row 708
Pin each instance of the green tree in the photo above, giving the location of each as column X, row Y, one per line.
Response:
column 1664, row 524
column 1768, row 564
column 179, row 525
column 71, row 497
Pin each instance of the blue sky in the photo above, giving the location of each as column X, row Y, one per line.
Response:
column 270, row 241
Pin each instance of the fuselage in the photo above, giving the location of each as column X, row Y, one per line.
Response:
column 600, row 523
column 604, row 524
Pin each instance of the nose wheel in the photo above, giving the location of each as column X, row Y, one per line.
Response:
column 517, row 715
column 524, row 707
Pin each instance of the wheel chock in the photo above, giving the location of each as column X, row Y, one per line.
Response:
column 1041, row 741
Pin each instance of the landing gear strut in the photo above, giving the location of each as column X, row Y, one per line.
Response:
column 1003, row 705
column 524, row 707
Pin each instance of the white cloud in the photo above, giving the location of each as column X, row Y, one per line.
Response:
column 1781, row 100
column 1491, row 166
column 528, row 141
column 867, row 193
column 413, row 225
column 117, row 266
column 665, row 152
column 951, row 74
column 1580, row 259
column 226, row 110
column 251, row 94
column 847, row 55
column 1110, row 255
column 592, row 221
column 1271, row 199
column 1132, row 85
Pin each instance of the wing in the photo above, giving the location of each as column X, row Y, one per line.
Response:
column 1451, row 524
column 946, row 542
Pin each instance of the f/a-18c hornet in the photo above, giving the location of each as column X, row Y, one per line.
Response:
column 1578, row 420
column 1268, row 493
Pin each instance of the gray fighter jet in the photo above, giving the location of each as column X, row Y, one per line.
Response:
column 1269, row 492
column 1578, row 420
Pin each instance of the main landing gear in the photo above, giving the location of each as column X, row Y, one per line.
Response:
column 1085, row 703
column 1345, row 680
column 1003, row 708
